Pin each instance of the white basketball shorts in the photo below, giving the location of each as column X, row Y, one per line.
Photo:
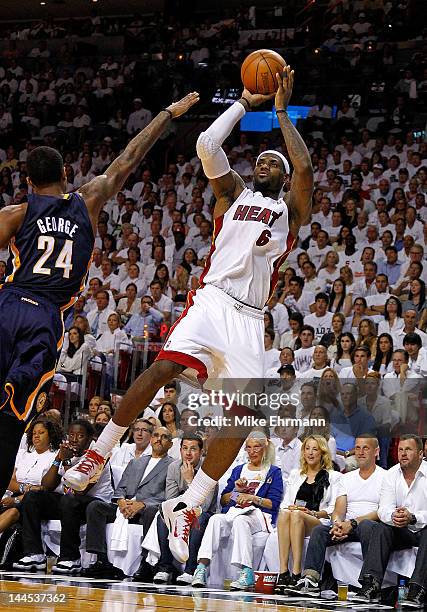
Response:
column 217, row 337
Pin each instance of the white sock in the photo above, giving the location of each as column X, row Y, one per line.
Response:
column 109, row 437
column 199, row 489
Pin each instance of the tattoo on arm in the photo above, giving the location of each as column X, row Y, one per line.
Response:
column 302, row 179
column 296, row 146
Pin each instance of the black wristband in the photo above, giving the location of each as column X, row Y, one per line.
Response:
column 166, row 110
column 281, row 110
column 247, row 102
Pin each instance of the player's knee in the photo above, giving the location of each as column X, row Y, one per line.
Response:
column 166, row 370
column 206, row 146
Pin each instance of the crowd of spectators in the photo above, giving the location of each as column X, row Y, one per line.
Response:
column 346, row 325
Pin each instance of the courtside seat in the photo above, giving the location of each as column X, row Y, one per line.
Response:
column 270, row 559
column 221, row 568
column 51, row 537
column 128, row 561
column 346, row 561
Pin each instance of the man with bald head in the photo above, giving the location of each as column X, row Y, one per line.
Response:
column 141, row 489
column 355, row 510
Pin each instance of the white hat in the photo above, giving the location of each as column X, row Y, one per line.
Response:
column 280, row 155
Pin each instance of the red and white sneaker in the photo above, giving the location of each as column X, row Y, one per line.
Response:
column 86, row 471
column 179, row 519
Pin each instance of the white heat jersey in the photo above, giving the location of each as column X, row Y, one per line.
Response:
column 250, row 243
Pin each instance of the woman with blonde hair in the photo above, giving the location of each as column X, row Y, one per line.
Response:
column 250, row 503
column 322, row 427
column 310, row 496
column 367, row 336
column 328, row 271
column 346, row 273
column 94, row 404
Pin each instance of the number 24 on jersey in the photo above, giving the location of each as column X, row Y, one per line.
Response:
column 47, row 245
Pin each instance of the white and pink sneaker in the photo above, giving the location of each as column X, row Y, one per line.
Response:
column 179, row 519
column 86, row 471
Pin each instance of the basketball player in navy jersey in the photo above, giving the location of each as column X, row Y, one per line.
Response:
column 221, row 331
column 51, row 239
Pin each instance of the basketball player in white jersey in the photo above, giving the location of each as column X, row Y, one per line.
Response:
column 221, row 331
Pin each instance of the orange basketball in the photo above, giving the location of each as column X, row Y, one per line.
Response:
column 259, row 69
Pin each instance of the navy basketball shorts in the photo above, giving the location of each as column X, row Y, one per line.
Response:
column 31, row 334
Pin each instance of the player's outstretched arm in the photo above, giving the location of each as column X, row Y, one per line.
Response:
column 226, row 184
column 11, row 219
column 302, row 177
column 104, row 187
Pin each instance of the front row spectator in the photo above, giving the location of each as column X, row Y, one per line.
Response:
column 310, row 496
column 54, row 502
column 353, row 515
column 179, row 477
column 402, row 524
column 250, row 503
column 43, row 438
column 138, row 494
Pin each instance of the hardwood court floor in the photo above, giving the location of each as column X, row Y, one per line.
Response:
column 48, row 593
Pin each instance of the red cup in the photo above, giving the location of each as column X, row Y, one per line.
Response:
column 265, row 582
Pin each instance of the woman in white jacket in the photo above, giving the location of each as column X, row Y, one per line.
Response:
column 75, row 357
column 111, row 340
column 311, row 492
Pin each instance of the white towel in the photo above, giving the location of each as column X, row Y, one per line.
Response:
column 151, row 543
column 119, row 534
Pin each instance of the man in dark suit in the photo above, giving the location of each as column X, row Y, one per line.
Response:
column 138, row 494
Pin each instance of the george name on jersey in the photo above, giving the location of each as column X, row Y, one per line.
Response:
column 256, row 213
column 53, row 224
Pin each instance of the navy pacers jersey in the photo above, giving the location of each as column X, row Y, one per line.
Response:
column 51, row 253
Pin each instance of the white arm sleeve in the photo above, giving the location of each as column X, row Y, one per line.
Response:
column 213, row 158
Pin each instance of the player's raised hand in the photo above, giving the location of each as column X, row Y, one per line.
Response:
column 255, row 99
column 179, row 108
column 284, row 91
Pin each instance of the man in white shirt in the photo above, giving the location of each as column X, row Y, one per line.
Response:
column 299, row 300
column 320, row 363
column 288, row 445
column 353, row 516
column 95, row 266
column 139, row 118
column 392, row 173
column 318, row 252
column 412, row 344
column 98, row 317
column 403, row 524
column 351, row 154
column 160, row 301
column 137, row 497
column 279, row 312
column 304, row 355
column 82, row 119
column 376, row 302
column 410, row 318
column 366, row 286
column 321, row 319
column 413, row 228
column 359, row 369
